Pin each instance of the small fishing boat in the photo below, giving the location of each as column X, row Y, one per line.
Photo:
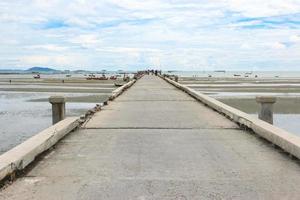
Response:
column 221, row 71
column 102, row 78
column 37, row 76
column 93, row 77
column 97, row 78
column 118, row 84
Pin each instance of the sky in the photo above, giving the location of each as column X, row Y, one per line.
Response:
column 138, row 34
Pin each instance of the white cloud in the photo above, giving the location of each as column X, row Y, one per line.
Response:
column 61, row 61
column 278, row 45
column 126, row 50
column 262, row 8
column 35, row 60
column 295, row 38
column 48, row 47
column 187, row 34
column 87, row 40
column 246, row 46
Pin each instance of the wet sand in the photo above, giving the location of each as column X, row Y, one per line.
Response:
column 243, row 85
column 69, row 85
column 249, row 105
column 24, row 106
column 241, row 92
column 91, row 98
column 92, row 90
column 243, row 88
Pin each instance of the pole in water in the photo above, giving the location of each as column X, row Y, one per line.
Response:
column 266, row 109
column 58, row 108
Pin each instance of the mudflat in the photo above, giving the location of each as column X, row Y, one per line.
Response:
column 157, row 142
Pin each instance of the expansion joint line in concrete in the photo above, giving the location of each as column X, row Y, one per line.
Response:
column 192, row 100
column 162, row 128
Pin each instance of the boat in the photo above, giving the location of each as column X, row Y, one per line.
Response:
column 223, row 71
column 236, row 75
column 93, row 77
column 37, row 76
column 102, row 78
column 97, row 78
column 68, row 75
column 118, row 84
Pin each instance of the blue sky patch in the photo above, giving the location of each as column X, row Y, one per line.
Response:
column 54, row 24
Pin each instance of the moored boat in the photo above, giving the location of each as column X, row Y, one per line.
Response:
column 37, row 76
column 118, row 84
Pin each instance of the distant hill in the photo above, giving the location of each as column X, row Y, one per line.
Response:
column 42, row 70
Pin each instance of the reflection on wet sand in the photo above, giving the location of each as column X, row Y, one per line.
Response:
column 24, row 106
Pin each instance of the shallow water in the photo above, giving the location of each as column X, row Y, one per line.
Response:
column 241, row 93
column 289, row 122
column 286, row 115
column 35, row 86
column 249, row 94
column 24, row 106
column 20, row 118
column 262, row 74
column 23, row 114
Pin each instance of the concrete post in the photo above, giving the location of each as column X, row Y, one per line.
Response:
column 176, row 78
column 58, row 108
column 266, row 110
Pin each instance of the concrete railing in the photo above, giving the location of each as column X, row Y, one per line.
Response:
column 120, row 90
column 22, row 155
column 88, row 115
column 285, row 140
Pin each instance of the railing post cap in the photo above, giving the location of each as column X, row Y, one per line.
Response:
column 265, row 99
column 57, row 99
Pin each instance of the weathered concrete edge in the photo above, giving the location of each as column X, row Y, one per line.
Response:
column 22, row 155
column 121, row 89
column 114, row 95
column 285, row 140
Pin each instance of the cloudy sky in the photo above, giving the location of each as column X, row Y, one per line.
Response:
column 132, row 34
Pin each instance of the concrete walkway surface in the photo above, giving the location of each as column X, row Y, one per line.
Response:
column 156, row 142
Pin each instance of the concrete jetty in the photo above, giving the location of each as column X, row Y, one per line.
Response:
column 157, row 142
